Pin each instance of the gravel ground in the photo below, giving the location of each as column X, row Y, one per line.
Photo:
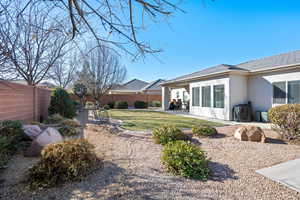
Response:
column 132, row 170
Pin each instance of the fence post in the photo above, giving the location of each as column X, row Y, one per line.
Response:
column 35, row 104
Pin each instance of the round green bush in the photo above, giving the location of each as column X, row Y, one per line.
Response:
column 63, row 162
column 62, row 104
column 68, row 131
column 111, row 105
column 121, row 105
column 204, row 130
column 106, row 107
column 140, row 104
column 185, row 159
column 167, row 133
column 155, row 104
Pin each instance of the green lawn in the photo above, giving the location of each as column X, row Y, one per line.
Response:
column 147, row 120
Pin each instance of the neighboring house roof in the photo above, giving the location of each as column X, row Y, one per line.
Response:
column 271, row 62
column 135, row 84
column 154, row 85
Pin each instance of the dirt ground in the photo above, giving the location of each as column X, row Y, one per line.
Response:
column 132, row 170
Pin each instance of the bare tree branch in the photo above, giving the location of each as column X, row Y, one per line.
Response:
column 101, row 71
column 31, row 42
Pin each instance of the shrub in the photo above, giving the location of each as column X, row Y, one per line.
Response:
column 55, row 119
column 204, row 130
column 70, row 122
column 166, row 134
column 185, row 159
column 89, row 104
column 62, row 162
column 62, row 104
column 287, row 119
column 68, row 131
column 155, row 104
column 106, row 107
column 77, row 105
column 11, row 128
column 121, row 105
column 6, row 149
column 140, row 104
column 11, row 137
column 111, row 105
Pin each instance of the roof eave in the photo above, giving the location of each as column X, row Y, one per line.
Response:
column 188, row 80
column 278, row 68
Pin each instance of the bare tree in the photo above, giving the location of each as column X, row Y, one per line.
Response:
column 63, row 73
column 31, row 43
column 101, row 71
column 116, row 22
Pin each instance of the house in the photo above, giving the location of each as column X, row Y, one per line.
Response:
column 136, row 86
column 213, row 92
column 132, row 91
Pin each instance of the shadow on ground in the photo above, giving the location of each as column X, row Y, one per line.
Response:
column 221, row 172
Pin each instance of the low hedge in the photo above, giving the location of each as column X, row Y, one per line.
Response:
column 121, row 105
column 140, row 104
column 63, row 162
column 168, row 133
column 185, row 159
column 204, row 130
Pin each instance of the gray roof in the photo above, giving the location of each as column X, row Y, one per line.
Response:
column 275, row 61
column 270, row 62
column 154, row 85
column 208, row 71
column 134, row 84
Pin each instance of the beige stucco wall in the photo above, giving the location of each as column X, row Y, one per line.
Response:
column 260, row 89
column 211, row 112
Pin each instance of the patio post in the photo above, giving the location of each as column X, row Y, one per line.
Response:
column 165, row 97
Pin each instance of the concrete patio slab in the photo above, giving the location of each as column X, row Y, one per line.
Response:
column 231, row 123
column 287, row 173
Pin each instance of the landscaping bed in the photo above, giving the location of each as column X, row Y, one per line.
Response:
column 132, row 170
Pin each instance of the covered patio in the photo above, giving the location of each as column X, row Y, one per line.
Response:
column 176, row 92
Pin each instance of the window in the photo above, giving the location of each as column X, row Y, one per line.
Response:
column 294, row 92
column 196, row 96
column 219, row 96
column 279, row 92
column 177, row 95
column 206, row 96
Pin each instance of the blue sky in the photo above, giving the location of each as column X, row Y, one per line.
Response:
column 223, row 31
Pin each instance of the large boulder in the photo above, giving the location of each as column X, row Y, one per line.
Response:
column 32, row 131
column 48, row 136
column 250, row 133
